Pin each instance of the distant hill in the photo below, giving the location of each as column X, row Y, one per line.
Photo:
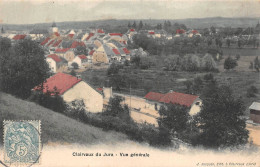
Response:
column 55, row 127
column 191, row 23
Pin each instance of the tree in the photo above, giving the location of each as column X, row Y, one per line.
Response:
column 228, row 42
column 173, row 117
column 115, row 108
column 173, row 63
column 75, row 65
column 134, row 25
column 140, row 26
column 256, row 64
column 251, row 91
column 23, row 68
column 208, row 63
column 220, row 119
column 230, row 63
column 113, row 69
column 81, row 50
column 191, row 62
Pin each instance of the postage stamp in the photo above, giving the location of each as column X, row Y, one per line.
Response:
column 22, row 142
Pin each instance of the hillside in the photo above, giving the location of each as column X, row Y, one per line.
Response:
column 55, row 127
column 189, row 22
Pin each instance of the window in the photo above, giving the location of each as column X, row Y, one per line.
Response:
column 197, row 103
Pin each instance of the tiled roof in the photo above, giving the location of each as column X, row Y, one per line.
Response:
column 116, row 51
column 179, row 98
column 116, row 34
column 70, row 35
column 61, row 50
column 132, row 30
column 91, row 52
column 45, row 41
column 51, row 42
column 61, row 81
column 89, row 36
column 100, row 31
column 126, row 51
column 151, row 32
column 57, row 43
column 180, row 31
column 55, row 57
column 17, row 37
column 82, row 56
column 154, row 96
column 76, row 43
column 194, row 31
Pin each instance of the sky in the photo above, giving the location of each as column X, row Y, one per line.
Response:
column 38, row 11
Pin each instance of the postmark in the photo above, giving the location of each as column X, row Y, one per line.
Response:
column 22, row 142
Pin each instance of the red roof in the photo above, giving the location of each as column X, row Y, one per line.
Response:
column 55, row 57
column 99, row 89
column 151, row 32
column 61, row 81
column 116, row 51
column 82, row 56
column 132, row 30
column 57, row 43
column 116, row 34
column 126, row 51
column 61, row 50
column 89, row 36
column 91, row 52
column 45, row 41
column 17, row 37
column 100, row 31
column 50, row 42
column 76, row 43
column 154, row 96
column 179, row 98
column 57, row 34
column 194, row 31
column 180, row 31
column 70, row 35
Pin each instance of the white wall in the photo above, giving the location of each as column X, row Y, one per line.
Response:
column 92, row 99
column 52, row 64
column 195, row 108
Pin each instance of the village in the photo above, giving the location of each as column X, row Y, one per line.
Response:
column 72, row 54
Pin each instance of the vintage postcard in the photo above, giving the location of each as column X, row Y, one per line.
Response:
column 130, row 83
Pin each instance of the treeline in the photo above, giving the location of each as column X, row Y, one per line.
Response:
column 190, row 62
column 180, row 46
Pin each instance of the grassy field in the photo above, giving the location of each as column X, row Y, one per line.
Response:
column 55, row 127
column 240, row 78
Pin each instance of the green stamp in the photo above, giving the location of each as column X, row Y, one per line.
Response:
column 22, row 142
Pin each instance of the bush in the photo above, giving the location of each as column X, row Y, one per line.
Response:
column 114, row 69
column 230, row 63
column 251, row 91
column 75, row 65
column 47, row 100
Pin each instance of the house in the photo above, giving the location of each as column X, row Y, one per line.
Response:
column 72, row 88
column 255, row 112
column 66, row 53
column 193, row 102
column 105, row 54
column 81, row 60
column 55, row 62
